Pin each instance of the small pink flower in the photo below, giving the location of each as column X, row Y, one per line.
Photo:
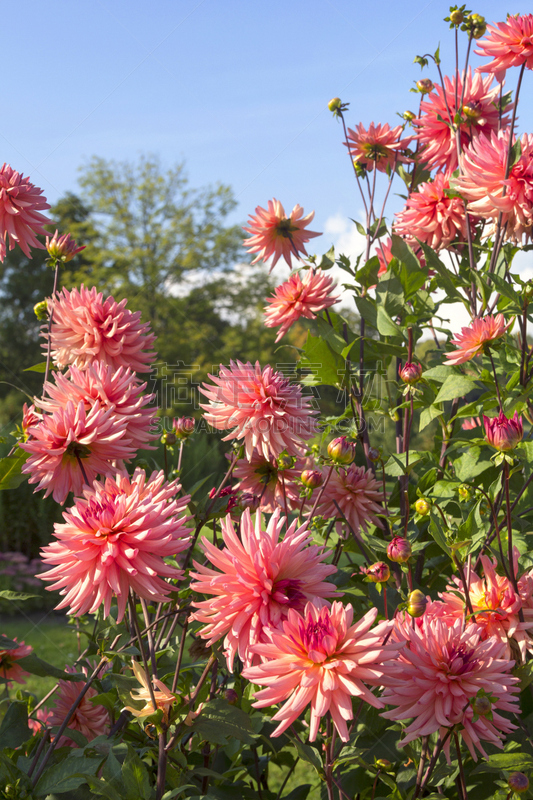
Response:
column 262, row 407
column 30, row 416
column 275, row 234
column 299, row 297
column 86, row 328
column 509, row 44
column 474, row 340
column 63, row 248
column 183, row 427
column 321, row 659
column 377, row 573
column 164, row 698
column 20, row 204
column 353, row 493
column 258, row 578
column 470, row 423
column 411, row 372
column 9, row 669
column 312, row 478
column 41, row 721
column 503, row 433
column 431, row 216
column 379, row 146
column 264, row 479
column 115, row 539
column 89, row 719
column 399, row 550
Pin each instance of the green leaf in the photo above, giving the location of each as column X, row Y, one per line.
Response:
column 102, row 789
column 455, row 386
column 427, row 415
column 389, row 294
column 135, row 777
column 8, row 644
column 300, row 793
column 439, row 373
column 307, row 753
column 471, row 464
column 443, row 273
column 40, row 367
column 6, row 594
column 219, row 721
column 386, row 326
column 516, row 153
column 14, row 730
column 10, row 469
column 326, row 367
column 367, row 309
column 367, row 275
column 437, row 532
column 37, row 666
column 68, row 775
column 395, row 466
column 511, row 762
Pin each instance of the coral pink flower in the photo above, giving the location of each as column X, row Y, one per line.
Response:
column 71, row 435
column 261, row 578
column 87, row 328
column 489, row 193
column 63, row 248
column 321, row 659
column 435, row 678
column 299, row 297
column 89, row 719
column 380, row 145
column 115, row 539
column 42, row 720
column 479, row 112
column 431, row 216
column 474, row 340
column 163, row 697
column 9, row 669
column 119, row 390
column 262, row 407
column 503, row 433
column 263, row 478
column 470, row 423
column 354, row 493
column 275, row 234
column 20, row 204
column 509, row 44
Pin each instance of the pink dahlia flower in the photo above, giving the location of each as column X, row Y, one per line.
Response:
column 299, row 297
column 431, row 216
column 63, row 248
column 71, row 435
column 260, row 578
column 474, row 340
column 482, row 183
column 503, row 433
column 479, row 112
column 119, row 390
column 509, row 44
column 87, row 328
column 42, row 719
column 437, row 676
column 115, row 539
column 379, row 145
column 321, row 658
column 9, row 669
column 354, row 493
column 263, row 478
column 90, row 719
column 20, row 217
column 275, row 234
column 262, row 407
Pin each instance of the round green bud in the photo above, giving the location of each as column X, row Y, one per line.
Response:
column 482, row 706
column 456, row 16
column 422, row 506
column 41, row 310
column 334, row 104
column 416, row 603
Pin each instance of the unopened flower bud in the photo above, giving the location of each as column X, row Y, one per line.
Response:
column 341, row 451
column 482, row 706
column 360, row 170
column 378, row 572
column 424, row 85
column 248, row 500
column 231, row 696
column 416, row 603
column 411, row 373
column 374, row 454
column 528, row 290
column 169, row 438
column 465, row 492
column 518, row 782
column 183, row 426
column 472, row 110
column 41, row 310
column 334, row 104
column 479, row 26
column 312, row 478
column 285, row 461
column 422, row 506
column 62, row 248
column 502, row 433
column 399, row 550
column 408, row 115
column 383, row 763
column 456, row 16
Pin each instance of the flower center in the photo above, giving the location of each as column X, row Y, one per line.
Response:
column 285, row 228
column 374, row 151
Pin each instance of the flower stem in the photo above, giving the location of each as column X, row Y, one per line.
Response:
column 50, row 319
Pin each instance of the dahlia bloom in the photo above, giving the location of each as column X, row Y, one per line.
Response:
column 321, row 658
column 119, row 390
column 479, row 112
column 482, row 182
column 69, row 435
column 438, row 674
column 503, row 433
column 509, row 44
column 356, row 493
column 260, row 578
column 262, row 407
column 431, row 216
column 299, row 297
column 20, row 204
column 163, row 697
column 87, row 328
column 380, row 145
column 9, row 669
column 89, row 719
column 474, row 340
column 263, row 478
column 115, row 539
column 275, row 234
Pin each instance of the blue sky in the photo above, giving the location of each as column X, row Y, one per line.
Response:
column 236, row 89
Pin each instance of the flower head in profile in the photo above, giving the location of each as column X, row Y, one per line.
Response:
column 274, row 234
column 323, row 659
column 475, row 339
column 503, row 433
column 20, row 217
column 261, row 407
column 353, row 494
column 438, row 674
column 62, row 248
column 299, row 297
column 431, row 216
column 509, row 44
column 9, row 669
column 256, row 581
column 115, row 538
column 265, row 479
column 479, row 114
column 378, row 146
column 70, row 447
column 90, row 719
column 471, row 423
column 487, row 190
column 86, row 328
column 164, row 699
